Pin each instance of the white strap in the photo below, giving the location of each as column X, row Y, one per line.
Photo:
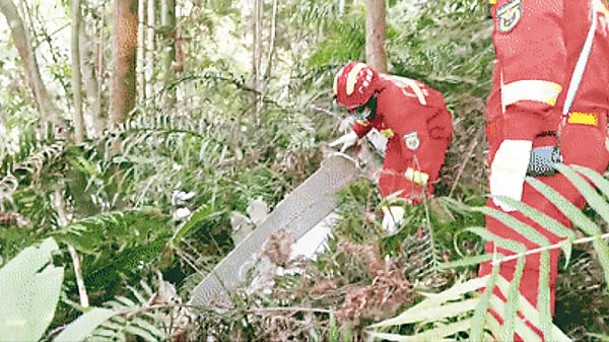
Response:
column 580, row 67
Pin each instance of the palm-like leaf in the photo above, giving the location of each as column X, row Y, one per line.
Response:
column 540, row 317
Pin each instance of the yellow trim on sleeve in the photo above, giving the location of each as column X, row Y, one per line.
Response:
column 416, row 176
column 589, row 119
column 388, row 133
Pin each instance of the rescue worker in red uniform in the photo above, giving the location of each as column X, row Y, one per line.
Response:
column 412, row 116
column 550, row 88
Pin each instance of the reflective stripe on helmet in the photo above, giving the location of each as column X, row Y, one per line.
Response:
column 531, row 90
column 356, row 83
column 352, row 77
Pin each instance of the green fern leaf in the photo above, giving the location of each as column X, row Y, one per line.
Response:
column 513, row 298
column 547, row 222
column 201, row 215
column 150, row 328
column 530, row 312
column 431, row 314
column 523, row 229
column 436, row 334
column 481, row 311
column 453, row 293
column 520, row 328
column 137, row 318
column 84, row 325
column 539, row 217
column 499, row 241
column 567, row 208
column 579, row 219
column 543, row 297
column 599, row 181
column 333, row 332
column 433, row 305
column 137, row 331
column 590, row 194
column 465, row 262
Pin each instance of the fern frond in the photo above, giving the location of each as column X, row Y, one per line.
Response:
column 133, row 227
column 138, row 318
column 40, row 157
column 422, row 258
column 462, row 304
column 147, row 126
column 28, row 163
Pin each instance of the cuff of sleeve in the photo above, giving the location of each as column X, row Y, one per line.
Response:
column 522, row 125
column 360, row 129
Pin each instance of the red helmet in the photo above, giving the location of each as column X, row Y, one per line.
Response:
column 355, row 84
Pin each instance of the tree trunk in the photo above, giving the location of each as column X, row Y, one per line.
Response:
column 124, row 53
column 79, row 124
column 168, row 21
column 269, row 67
column 89, row 77
column 376, row 55
column 101, row 120
column 257, row 15
column 48, row 111
column 141, row 38
column 150, row 32
column 341, row 8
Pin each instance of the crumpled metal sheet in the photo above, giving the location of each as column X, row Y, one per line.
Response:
column 298, row 212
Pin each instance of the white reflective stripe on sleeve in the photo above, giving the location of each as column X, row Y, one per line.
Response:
column 412, row 84
column 531, row 90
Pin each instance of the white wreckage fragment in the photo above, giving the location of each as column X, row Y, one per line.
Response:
column 312, row 202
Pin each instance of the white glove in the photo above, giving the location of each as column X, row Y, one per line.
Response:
column 509, row 169
column 392, row 218
column 346, row 140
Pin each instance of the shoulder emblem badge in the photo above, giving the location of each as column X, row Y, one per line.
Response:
column 508, row 15
column 412, row 140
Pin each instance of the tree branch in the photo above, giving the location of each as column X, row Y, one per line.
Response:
column 48, row 111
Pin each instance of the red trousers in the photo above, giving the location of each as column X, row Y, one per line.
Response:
column 580, row 145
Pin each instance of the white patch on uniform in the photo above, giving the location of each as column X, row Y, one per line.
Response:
column 509, row 15
column 412, row 140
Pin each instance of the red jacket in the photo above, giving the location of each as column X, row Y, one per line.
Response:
column 419, row 129
column 537, row 45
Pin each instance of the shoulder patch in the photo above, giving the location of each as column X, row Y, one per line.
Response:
column 508, row 15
